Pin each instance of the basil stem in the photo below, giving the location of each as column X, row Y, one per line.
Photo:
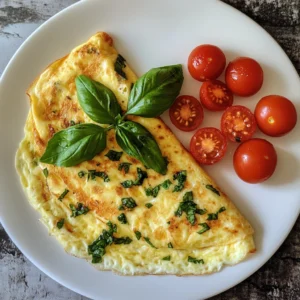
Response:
column 74, row 145
column 155, row 91
column 138, row 142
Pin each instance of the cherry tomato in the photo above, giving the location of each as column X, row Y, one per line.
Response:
column 275, row 115
column 238, row 123
column 215, row 95
column 255, row 160
column 244, row 76
column 186, row 113
column 206, row 62
column 208, row 145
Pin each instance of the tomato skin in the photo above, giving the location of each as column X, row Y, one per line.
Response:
column 255, row 160
column 275, row 115
column 238, row 123
column 244, row 76
column 186, row 113
column 208, row 145
column 215, row 96
column 206, row 62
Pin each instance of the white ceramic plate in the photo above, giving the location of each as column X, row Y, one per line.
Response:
column 149, row 34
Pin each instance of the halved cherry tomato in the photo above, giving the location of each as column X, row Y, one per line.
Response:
column 186, row 113
column 255, row 160
column 244, row 76
column 206, row 62
column 208, row 145
column 238, row 123
column 275, row 115
column 215, row 95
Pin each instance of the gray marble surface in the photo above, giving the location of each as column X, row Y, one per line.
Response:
column 279, row 278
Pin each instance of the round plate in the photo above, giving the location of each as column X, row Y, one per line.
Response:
column 149, row 34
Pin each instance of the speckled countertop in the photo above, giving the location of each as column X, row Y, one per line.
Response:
column 278, row 279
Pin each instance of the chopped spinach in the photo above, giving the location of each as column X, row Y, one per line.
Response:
column 97, row 248
column 148, row 205
column 189, row 207
column 211, row 188
column 60, row 223
column 195, row 261
column 119, row 65
column 79, row 210
column 81, row 174
column 141, row 175
column 214, row 216
column 181, row 178
column 127, row 203
column 168, row 258
column 138, row 235
column 92, row 174
column 170, row 245
column 114, row 155
column 122, row 218
column 124, row 166
column 166, row 184
column 149, row 242
column 205, row 227
column 64, row 193
column 45, row 172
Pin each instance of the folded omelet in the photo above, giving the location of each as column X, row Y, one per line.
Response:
column 83, row 206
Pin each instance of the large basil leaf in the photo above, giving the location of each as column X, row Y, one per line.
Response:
column 138, row 142
column 155, row 91
column 74, row 145
column 97, row 101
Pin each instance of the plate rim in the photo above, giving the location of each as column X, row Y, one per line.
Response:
column 50, row 273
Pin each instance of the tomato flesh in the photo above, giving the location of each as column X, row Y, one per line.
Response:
column 255, row 160
column 208, row 145
column 206, row 62
column 244, row 76
column 275, row 115
column 238, row 123
column 215, row 96
column 186, row 113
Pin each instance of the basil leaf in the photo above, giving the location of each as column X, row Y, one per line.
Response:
column 138, row 142
column 74, row 145
column 155, row 91
column 97, row 101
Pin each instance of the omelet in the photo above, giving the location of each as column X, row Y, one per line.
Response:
column 142, row 229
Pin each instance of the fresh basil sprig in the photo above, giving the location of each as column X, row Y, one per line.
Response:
column 150, row 96
column 97, row 101
column 74, row 145
column 155, row 91
column 138, row 142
